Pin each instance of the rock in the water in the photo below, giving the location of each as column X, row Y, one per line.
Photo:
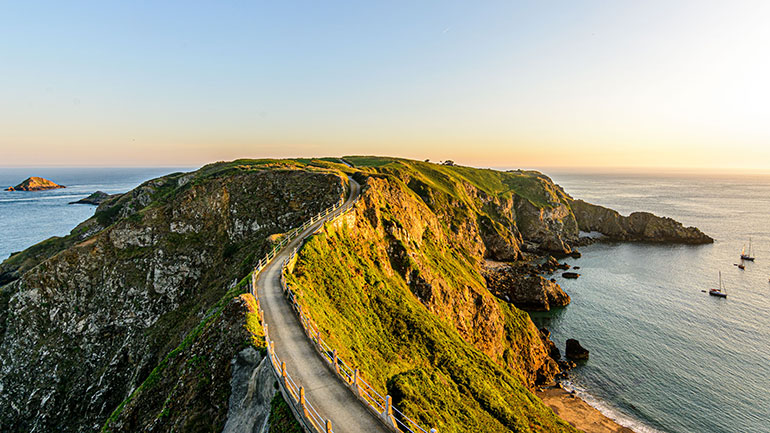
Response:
column 96, row 198
column 575, row 351
column 35, row 184
column 571, row 275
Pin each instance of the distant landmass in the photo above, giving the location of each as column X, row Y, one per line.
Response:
column 96, row 198
column 35, row 183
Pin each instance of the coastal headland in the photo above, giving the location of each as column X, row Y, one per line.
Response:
column 422, row 287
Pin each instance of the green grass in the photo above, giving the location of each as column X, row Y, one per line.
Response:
column 281, row 417
column 402, row 349
column 531, row 185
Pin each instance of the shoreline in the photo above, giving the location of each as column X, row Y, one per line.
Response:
column 577, row 412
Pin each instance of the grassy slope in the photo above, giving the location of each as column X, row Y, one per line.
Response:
column 532, row 185
column 375, row 321
column 434, row 375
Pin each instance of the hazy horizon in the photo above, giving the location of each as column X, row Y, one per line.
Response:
column 590, row 84
column 598, row 170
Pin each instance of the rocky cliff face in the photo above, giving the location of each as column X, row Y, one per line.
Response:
column 441, row 264
column 86, row 319
column 639, row 226
column 524, row 288
column 191, row 389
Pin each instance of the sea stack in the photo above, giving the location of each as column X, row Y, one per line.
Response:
column 35, row 184
column 575, row 351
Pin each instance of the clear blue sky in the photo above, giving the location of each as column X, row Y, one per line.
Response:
column 485, row 83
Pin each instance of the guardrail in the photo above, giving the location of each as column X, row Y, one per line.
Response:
column 379, row 405
column 311, row 419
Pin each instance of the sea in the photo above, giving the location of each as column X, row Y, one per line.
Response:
column 664, row 355
column 27, row 218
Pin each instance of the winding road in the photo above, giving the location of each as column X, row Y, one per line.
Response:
column 327, row 393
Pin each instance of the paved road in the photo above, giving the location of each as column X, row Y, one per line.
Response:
column 323, row 389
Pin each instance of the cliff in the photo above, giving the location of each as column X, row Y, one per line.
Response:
column 35, row 184
column 86, row 319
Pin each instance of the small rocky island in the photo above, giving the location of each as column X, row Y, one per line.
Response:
column 35, row 183
column 96, row 198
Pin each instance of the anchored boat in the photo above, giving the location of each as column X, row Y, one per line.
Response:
column 747, row 255
column 721, row 291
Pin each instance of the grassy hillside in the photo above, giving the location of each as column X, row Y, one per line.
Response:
column 532, row 185
column 396, row 286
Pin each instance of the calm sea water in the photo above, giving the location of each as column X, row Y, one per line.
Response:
column 27, row 218
column 665, row 356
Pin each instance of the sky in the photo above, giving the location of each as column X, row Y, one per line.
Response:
column 653, row 84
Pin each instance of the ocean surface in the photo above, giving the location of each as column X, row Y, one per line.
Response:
column 27, row 218
column 665, row 356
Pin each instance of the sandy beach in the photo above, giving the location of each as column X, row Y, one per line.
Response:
column 579, row 413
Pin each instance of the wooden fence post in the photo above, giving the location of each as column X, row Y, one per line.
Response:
column 388, row 414
column 302, row 401
column 388, row 406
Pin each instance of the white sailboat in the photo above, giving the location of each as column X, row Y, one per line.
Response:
column 721, row 291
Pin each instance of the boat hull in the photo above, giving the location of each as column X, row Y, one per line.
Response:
column 717, row 293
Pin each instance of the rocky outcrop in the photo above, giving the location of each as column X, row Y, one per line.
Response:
column 639, row 226
column 552, row 228
column 520, row 287
column 96, row 198
column 252, row 389
column 574, row 350
column 35, row 183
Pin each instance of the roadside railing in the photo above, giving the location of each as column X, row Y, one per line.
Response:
column 312, row 420
column 381, row 406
